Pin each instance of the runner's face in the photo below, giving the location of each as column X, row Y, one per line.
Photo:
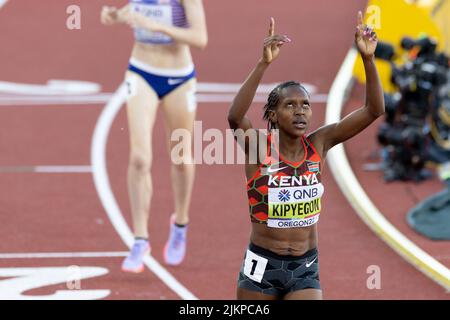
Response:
column 294, row 111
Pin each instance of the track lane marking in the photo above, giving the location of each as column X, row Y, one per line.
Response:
column 357, row 197
column 20, row 280
column 103, row 187
column 53, row 255
column 102, row 98
column 70, row 92
column 46, row 169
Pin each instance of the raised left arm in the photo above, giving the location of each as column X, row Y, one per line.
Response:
column 333, row 134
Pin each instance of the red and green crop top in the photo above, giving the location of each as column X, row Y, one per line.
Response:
column 285, row 194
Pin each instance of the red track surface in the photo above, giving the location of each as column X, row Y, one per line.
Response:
column 62, row 212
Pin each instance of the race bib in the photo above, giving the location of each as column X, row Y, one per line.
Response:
column 254, row 266
column 158, row 13
column 290, row 207
column 131, row 85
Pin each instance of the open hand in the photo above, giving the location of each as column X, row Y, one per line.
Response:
column 365, row 38
column 273, row 43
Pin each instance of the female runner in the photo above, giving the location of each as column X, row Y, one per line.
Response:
column 284, row 188
column 160, row 71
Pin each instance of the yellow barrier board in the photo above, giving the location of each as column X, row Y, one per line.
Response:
column 395, row 19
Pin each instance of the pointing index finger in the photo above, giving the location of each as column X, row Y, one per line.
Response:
column 272, row 27
column 360, row 18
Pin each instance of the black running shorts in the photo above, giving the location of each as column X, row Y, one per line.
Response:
column 269, row 273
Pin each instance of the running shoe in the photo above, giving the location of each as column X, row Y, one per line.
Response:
column 133, row 263
column 175, row 248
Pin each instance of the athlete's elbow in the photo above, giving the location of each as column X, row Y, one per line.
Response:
column 376, row 111
column 202, row 42
column 380, row 113
column 233, row 121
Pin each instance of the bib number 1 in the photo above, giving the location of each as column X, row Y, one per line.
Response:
column 254, row 266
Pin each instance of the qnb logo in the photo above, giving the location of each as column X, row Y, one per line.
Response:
column 284, row 195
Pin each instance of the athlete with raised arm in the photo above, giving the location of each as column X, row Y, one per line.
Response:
column 284, row 189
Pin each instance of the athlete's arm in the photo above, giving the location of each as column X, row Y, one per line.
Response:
column 112, row 15
column 196, row 35
column 245, row 95
column 333, row 134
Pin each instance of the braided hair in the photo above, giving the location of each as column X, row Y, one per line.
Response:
column 274, row 98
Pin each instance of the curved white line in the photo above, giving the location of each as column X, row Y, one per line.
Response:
column 101, row 181
column 356, row 195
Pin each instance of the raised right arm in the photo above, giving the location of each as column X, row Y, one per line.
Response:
column 244, row 98
column 245, row 95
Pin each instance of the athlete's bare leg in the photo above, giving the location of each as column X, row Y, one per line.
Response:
column 306, row 294
column 179, row 110
column 141, row 111
column 244, row 294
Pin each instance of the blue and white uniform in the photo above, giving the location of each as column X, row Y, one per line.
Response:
column 168, row 12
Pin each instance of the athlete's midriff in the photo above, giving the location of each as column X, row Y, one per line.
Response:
column 169, row 56
column 292, row 241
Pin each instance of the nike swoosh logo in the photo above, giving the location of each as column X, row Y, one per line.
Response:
column 271, row 170
column 174, row 81
column 308, row 264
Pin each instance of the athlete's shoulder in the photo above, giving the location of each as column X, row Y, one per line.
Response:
column 314, row 140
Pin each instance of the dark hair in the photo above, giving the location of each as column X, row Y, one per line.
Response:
column 274, row 98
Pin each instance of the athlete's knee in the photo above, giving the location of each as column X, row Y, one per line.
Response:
column 186, row 165
column 140, row 162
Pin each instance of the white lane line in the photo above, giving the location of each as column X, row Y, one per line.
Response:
column 22, row 100
column 67, row 87
column 53, row 255
column 63, row 169
column 46, row 169
column 105, row 97
column 70, row 92
column 364, row 207
column 20, row 281
column 52, row 87
column 101, row 181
